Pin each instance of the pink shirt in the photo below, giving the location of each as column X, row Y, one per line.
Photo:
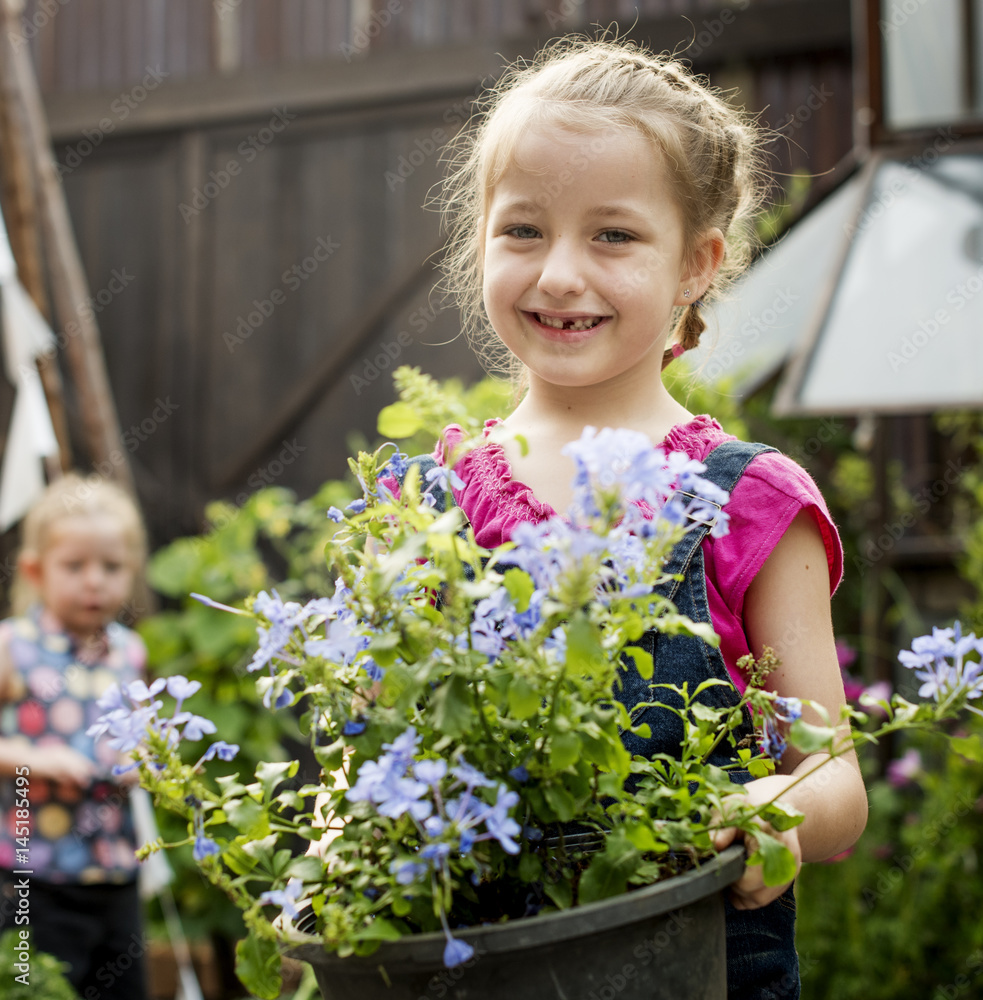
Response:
column 767, row 498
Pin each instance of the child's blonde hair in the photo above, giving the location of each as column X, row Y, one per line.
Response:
column 586, row 85
column 77, row 496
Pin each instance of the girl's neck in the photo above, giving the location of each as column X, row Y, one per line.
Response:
column 563, row 410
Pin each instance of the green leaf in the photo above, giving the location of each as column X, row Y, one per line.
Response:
column 248, row 817
column 399, row 420
column 379, row 930
column 561, row 801
column 401, row 906
column 564, row 750
column 585, row 656
column 330, row 757
column 560, row 892
column 809, row 738
column 520, row 587
column 530, row 868
column 524, row 700
column 644, row 663
column 610, row 870
column 968, row 746
column 306, row 867
column 258, row 966
column 271, row 773
column 776, row 859
column 452, row 707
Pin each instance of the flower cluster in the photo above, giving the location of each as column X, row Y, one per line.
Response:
column 940, row 662
column 459, row 702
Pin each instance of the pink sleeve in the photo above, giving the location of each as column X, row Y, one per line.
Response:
column 772, row 491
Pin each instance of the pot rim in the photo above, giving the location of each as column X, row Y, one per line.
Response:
column 579, row 921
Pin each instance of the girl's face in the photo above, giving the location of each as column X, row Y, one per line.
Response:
column 584, row 256
column 85, row 573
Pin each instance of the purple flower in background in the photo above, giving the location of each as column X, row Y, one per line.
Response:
column 904, row 769
column 283, row 619
column 357, row 506
column 196, row 727
column 445, row 479
column 773, row 742
column 334, row 514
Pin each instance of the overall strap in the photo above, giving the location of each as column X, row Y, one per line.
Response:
column 724, row 467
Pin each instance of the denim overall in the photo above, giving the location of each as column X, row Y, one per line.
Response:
column 761, row 960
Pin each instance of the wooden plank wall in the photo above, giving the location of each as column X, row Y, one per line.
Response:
column 215, row 311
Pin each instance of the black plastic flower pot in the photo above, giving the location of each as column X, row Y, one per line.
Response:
column 663, row 942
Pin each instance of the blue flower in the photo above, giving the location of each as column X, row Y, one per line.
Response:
column 357, row 506
column 773, row 742
column 180, row 688
column 220, row 749
column 408, row 871
column 498, row 822
column 444, row 478
column 374, row 671
column 204, row 847
column 285, row 898
column 283, row 619
column 457, row 952
column 520, row 774
column 430, row 772
column 437, row 852
column 396, row 466
column 336, row 515
column 137, row 691
column 196, row 727
column 939, row 663
column 788, row 709
column 353, row 728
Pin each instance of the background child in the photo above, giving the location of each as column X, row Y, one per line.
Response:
column 602, row 196
column 83, row 547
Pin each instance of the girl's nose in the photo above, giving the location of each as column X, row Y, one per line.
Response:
column 562, row 272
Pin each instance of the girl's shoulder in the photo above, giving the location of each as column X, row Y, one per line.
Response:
column 772, row 491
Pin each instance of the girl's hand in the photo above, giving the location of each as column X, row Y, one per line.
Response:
column 749, row 892
column 62, row 765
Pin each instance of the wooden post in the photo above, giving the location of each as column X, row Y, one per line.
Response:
column 20, row 212
column 83, row 349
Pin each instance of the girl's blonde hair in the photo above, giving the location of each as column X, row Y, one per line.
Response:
column 70, row 497
column 587, row 85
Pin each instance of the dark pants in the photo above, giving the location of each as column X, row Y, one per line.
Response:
column 96, row 929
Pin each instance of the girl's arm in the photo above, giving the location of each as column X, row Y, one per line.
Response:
column 787, row 607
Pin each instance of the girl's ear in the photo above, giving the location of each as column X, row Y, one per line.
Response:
column 704, row 262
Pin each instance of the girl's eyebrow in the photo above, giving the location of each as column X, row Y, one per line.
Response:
column 521, row 206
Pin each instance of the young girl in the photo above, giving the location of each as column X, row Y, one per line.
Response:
column 67, row 862
column 602, row 197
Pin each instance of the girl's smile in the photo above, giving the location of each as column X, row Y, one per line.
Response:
column 584, row 256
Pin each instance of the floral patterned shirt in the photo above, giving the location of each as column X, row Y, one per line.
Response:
column 79, row 836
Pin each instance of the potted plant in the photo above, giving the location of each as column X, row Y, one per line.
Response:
column 463, row 707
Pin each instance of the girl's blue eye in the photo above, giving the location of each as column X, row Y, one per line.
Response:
column 615, row 236
column 523, row 232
